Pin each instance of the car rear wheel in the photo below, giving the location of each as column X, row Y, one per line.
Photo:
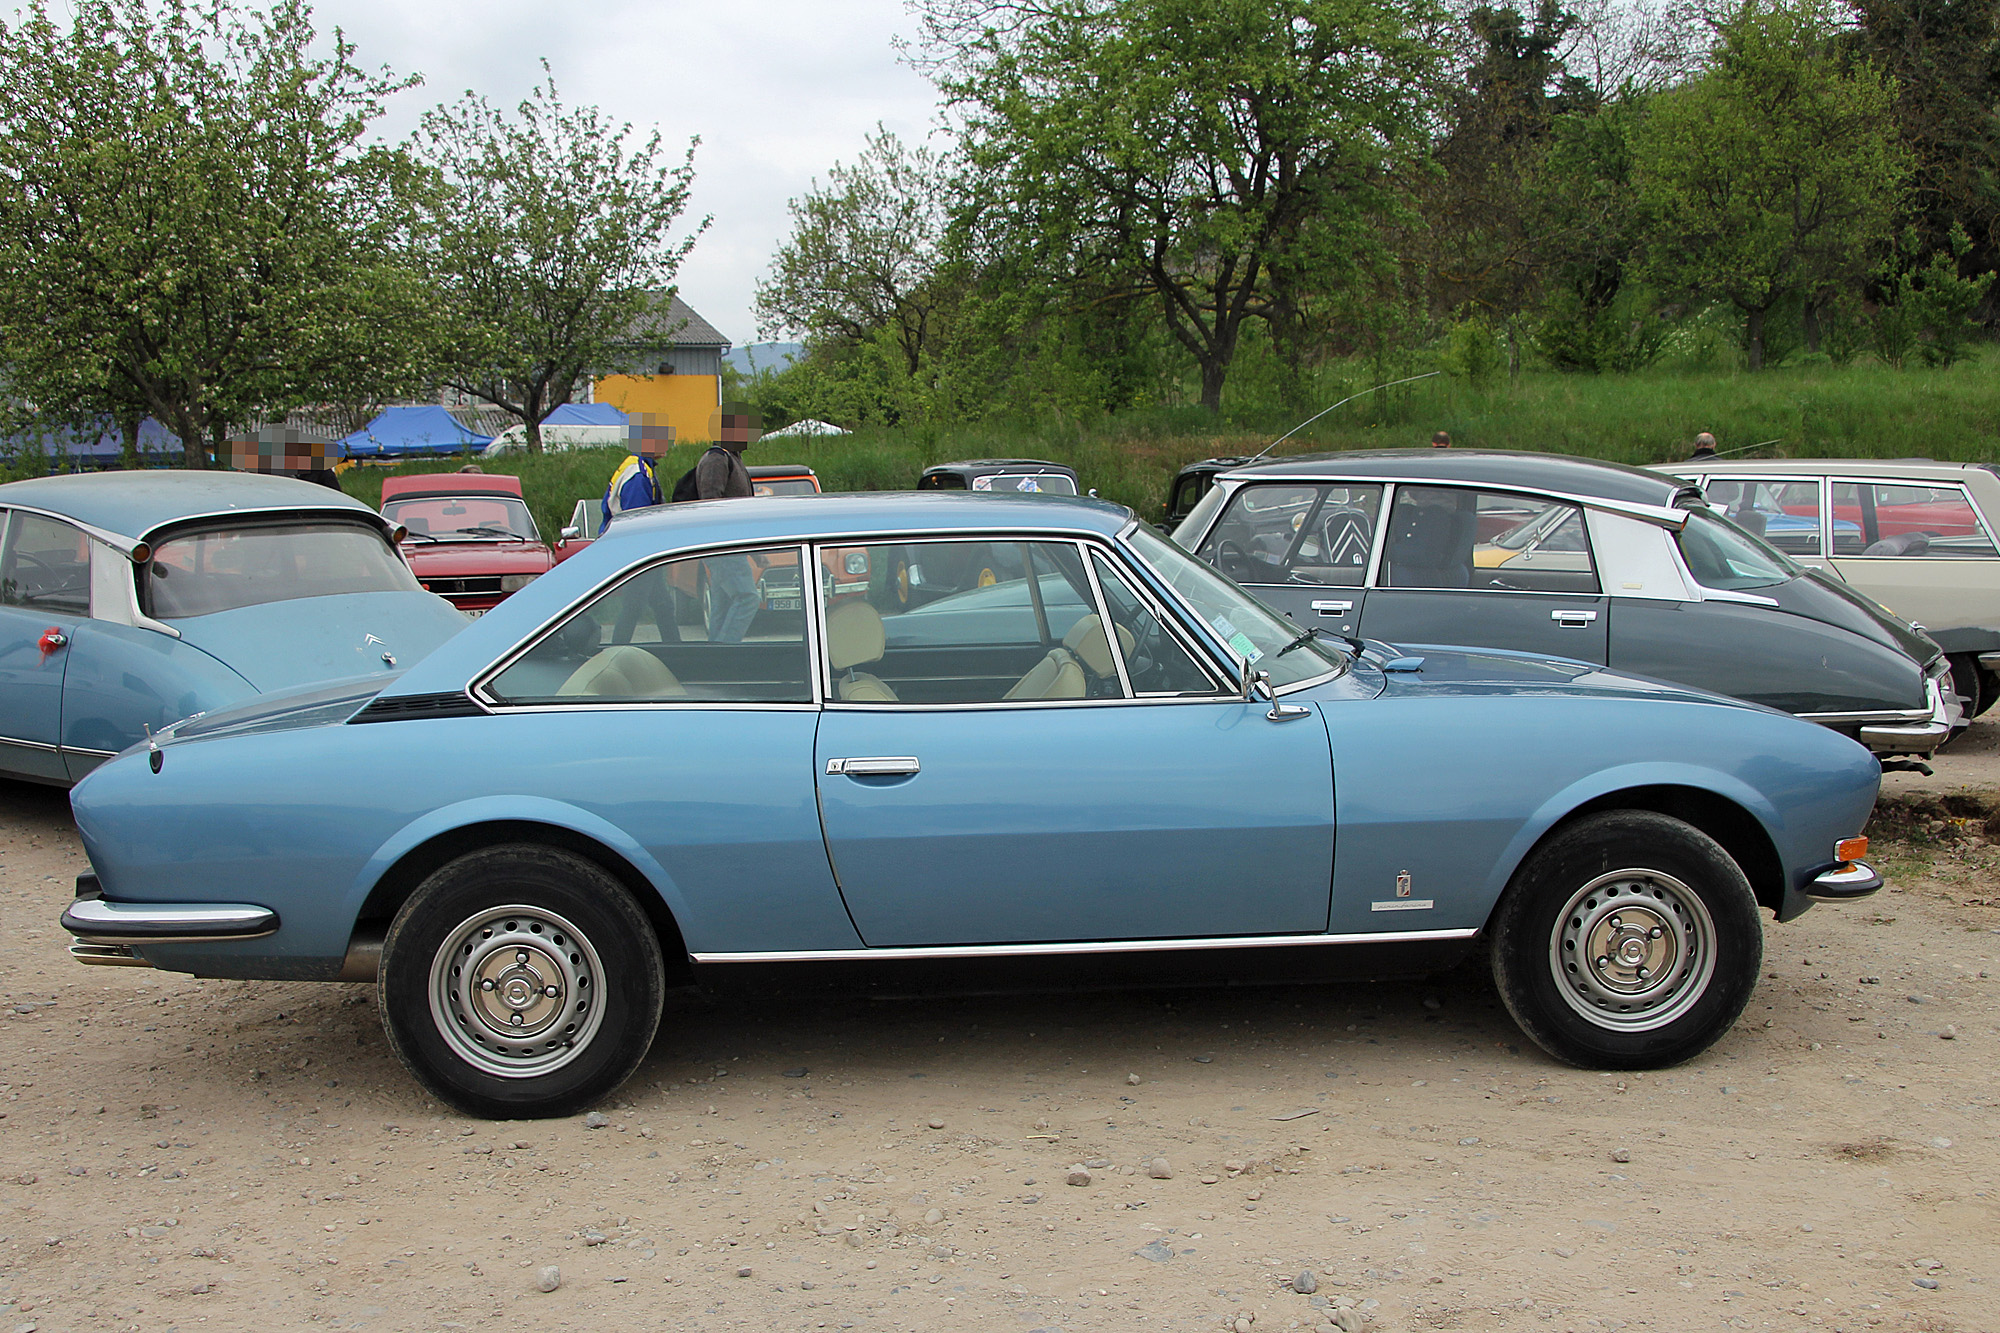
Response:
column 1976, row 685
column 521, row 981
column 1630, row 940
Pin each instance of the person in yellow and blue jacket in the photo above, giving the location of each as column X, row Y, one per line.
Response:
column 636, row 483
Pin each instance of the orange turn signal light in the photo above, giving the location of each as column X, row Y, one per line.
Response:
column 1850, row 849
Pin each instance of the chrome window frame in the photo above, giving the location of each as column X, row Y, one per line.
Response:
column 1174, row 625
column 1084, row 546
column 1590, row 550
column 1822, row 480
column 1964, row 491
column 481, row 693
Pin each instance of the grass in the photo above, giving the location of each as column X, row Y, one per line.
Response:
column 1645, row 417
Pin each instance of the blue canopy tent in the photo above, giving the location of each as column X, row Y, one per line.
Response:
column 412, row 432
column 74, row 449
column 586, row 414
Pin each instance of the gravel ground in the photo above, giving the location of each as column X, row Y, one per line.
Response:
column 178, row 1153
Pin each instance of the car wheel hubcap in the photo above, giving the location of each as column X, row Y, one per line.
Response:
column 514, row 991
column 1633, row 950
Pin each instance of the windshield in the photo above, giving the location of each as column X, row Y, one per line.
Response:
column 202, row 573
column 1723, row 556
column 783, row 486
column 1268, row 641
column 1047, row 483
column 479, row 518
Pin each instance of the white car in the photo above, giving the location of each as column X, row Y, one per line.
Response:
column 1916, row 536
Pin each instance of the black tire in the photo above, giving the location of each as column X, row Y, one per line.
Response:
column 530, row 918
column 1663, row 900
column 1975, row 684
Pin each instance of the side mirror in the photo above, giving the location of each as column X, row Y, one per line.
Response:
column 571, row 533
column 1257, row 689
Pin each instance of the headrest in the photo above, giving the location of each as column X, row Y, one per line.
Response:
column 853, row 635
column 1087, row 640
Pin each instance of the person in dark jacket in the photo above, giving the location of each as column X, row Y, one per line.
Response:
column 720, row 475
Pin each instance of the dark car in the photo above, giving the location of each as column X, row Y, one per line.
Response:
column 783, row 479
column 1194, row 481
column 1030, row 476
column 1570, row 556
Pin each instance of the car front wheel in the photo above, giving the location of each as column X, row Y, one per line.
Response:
column 521, row 981
column 1630, row 940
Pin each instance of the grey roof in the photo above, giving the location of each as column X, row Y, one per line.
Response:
column 135, row 504
column 1562, row 473
column 675, row 326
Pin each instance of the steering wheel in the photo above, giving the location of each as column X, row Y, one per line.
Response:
column 1233, row 560
column 53, row 583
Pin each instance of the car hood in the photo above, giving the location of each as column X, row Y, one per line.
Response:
column 1455, row 670
column 1820, row 597
column 307, row 640
column 324, row 704
column 452, row 559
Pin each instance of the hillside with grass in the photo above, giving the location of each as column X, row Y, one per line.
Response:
column 1642, row 417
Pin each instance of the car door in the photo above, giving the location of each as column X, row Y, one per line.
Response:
column 1491, row 569
column 1301, row 547
column 1787, row 512
column 44, row 596
column 1114, row 791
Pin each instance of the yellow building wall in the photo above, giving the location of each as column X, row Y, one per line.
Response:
column 687, row 401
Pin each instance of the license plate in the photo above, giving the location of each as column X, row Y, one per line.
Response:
column 474, row 615
column 786, row 604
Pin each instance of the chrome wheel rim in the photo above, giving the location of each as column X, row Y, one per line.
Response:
column 1633, row 950
column 515, row 991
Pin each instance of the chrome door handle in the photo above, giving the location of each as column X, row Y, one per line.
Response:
column 1333, row 608
column 1573, row 619
column 880, row 766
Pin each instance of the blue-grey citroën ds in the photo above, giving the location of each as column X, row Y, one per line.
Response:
column 1050, row 732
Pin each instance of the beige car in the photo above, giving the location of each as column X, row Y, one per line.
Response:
column 1916, row 536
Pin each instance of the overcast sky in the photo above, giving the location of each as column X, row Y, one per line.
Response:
column 778, row 90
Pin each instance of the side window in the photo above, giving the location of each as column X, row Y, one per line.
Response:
column 709, row 629
column 953, row 622
column 1883, row 519
column 1315, row 533
column 1447, row 538
column 1154, row 659
column 46, row 566
column 1783, row 513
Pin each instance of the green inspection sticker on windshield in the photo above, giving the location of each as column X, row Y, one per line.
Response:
column 1236, row 639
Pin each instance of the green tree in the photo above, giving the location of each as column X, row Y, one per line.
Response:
column 1945, row 58
column 1229, row 160
column 864, row 253
column 190, row 223
column 552, row 245
column 1927, row 307
column 1776, row 173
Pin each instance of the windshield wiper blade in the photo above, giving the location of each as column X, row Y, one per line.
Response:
column 421, row 537
column 485, row 530
column 1299, row 642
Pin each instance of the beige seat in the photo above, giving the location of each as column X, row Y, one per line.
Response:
column 1090, row 645
column 854, row 638
column 1056, row 676
column 623, row 672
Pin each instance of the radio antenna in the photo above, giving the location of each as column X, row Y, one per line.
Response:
column 1342, row 403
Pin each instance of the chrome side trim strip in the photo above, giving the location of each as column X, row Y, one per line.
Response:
column 96, row 921
column 1886, row 718
column 1083, row 947
column 31, row 745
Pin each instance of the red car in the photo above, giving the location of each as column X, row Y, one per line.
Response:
column 470, row 538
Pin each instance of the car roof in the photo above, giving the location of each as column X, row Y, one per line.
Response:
column 450, row 483
column 802, row 517
column 132, row 505
column 1881, row 467
column 1000, row 464
column 1562, row 473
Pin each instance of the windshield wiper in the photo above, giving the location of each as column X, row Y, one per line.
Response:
column 1299, row 642
column 421, row 537
column 485, row 530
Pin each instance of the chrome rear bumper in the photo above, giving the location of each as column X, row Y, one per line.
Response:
column 1921, row 734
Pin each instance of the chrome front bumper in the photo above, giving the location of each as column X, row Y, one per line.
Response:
column 106, row 931
column 1916, row 732
column 1852, row 879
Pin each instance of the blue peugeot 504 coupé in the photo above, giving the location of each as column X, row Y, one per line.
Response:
column 1113, row 750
